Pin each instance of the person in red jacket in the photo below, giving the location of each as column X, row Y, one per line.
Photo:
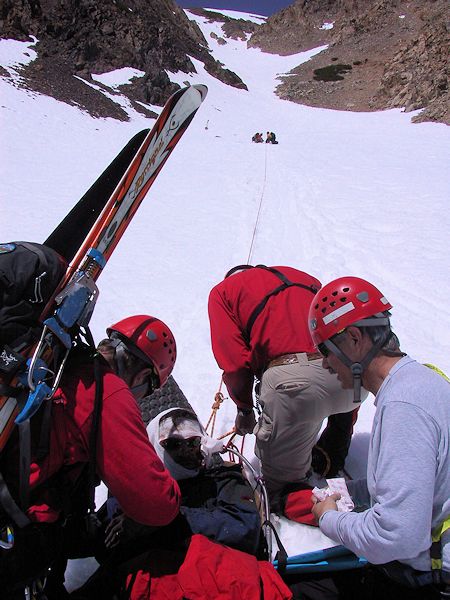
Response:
column 136, row 358
column 259, row 328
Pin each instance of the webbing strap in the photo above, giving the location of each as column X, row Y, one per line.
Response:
column 7, row 390
column 24, row 462
column 98, row 402
column 436, row 545
column 44, row 437
column 36, row 250
column 281, row 556
column 286, row 283
column 10, row 507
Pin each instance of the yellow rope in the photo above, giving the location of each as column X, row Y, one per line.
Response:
column 218, row 399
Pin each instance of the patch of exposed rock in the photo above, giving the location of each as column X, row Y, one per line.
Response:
column 236, row 29
column 395, row 51
column 81, row 37
column 417, row 76
column 220, row 40
column 303, row 25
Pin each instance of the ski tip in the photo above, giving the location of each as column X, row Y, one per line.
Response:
column 202, row 89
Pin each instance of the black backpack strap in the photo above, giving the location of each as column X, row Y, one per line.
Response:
column 285, row 284
column 281, row 556
column 44, row 437
column 10, row 507
column 36, row 250
column 98, row 403
column 238, row 268
column 24, row 462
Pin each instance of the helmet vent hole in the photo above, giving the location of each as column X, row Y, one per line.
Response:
column 333, row 303
column 324, row 310
column 165, row 344
column 344, row 299
column 346, row 290
column 164, row 334
column 334, row 293
column 316, row 306
column 324, row 299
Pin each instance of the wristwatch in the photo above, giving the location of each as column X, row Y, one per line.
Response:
column 243, row 412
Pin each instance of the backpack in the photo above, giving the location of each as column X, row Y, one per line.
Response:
column 29, row 276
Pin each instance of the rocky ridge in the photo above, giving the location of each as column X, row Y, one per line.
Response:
column 82, row 37
column 381, row 54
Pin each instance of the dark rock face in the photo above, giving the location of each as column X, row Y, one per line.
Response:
column 86, row 36
column 397, row 50
column 298, row 27
column 417, row 76
column 232, row 28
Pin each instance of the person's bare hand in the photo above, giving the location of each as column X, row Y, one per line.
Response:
column 245, row 423
column 114, row 531
column 321, row 507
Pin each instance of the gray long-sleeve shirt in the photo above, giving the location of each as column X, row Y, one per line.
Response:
column 408, row 473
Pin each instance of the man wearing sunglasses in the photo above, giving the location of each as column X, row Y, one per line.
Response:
column 405, row 531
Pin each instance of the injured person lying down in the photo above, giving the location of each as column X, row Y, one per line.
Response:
column 217, row 502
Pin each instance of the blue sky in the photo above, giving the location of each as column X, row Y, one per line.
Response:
column 259, row 7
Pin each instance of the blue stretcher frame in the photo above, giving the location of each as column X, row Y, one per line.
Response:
column 337, row 558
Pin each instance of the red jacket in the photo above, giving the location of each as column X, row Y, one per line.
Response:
column 211, row 571
column 126, row 461
column 281, row 327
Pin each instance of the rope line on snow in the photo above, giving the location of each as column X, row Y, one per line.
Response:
column 219, row 397
column 260, row 206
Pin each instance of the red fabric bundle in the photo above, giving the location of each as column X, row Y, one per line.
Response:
column 298, row 507
column 213, row 571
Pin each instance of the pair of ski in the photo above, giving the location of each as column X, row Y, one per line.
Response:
column 87, row 237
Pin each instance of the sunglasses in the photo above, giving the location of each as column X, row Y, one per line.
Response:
column 323, row 349
column 180, row 444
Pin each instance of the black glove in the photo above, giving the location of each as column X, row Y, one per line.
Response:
column 245, row 421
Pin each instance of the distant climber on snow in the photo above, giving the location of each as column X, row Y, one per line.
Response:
column 271, row 138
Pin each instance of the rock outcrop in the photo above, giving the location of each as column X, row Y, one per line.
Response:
column 82, row 37
column 395, row 50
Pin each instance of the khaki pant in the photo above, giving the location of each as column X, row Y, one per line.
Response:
column 295, row 399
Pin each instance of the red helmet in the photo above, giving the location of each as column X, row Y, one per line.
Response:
column 151, row 340
column 343, row 302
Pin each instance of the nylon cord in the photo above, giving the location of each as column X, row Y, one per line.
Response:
column 260, row 206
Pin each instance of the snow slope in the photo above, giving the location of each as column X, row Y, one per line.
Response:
column 343, row 193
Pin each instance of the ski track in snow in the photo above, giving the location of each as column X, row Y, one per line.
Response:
column 343, row 193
